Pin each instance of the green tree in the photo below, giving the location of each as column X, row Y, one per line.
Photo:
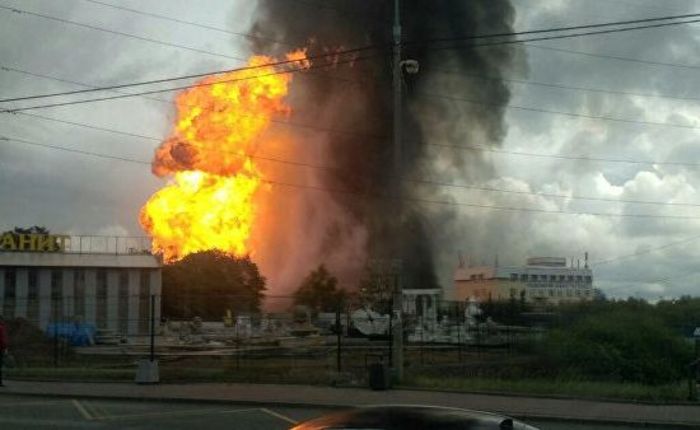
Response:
column 319, row 291
column 207, row 284
column 625, row 345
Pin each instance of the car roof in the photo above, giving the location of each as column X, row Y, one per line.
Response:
column 407, row 417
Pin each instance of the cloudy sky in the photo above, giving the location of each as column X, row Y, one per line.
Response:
column 656, row 101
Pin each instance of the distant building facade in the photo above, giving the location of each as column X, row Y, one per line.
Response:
column 56, row 278
column 540, row 280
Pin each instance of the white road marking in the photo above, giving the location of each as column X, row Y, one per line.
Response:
column 82, row 410
column 191, row 412
column 280, row 416
column 32, row 403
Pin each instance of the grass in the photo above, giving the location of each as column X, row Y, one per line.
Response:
column 174, row 373
column 564, row 387
column 542, row 387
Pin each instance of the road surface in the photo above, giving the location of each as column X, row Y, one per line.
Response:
column 35, row 413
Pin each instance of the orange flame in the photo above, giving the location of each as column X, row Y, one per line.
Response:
column 210, row 203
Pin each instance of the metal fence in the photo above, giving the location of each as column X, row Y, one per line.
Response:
column 290, row 344
column 95, row 244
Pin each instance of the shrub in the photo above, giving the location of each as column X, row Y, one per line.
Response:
column 623, row 346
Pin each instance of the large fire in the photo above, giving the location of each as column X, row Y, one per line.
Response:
column 210, row 202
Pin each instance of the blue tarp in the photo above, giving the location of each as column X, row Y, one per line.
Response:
column 76, row 333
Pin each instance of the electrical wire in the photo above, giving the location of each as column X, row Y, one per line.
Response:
column 614, row 57
column 561, row 86
column 645, row 251
column 566, row 28
column 355, row 50
column 330, row 130
column 376, row 196
column 331, row 56
column 185, row 87
column 190, row 23
column 555, row 112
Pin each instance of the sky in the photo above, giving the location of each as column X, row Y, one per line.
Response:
column 656, row 106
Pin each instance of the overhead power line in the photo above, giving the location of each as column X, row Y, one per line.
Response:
column 73, row 150
column 614, row 57
column 184, row 87
column 365, row 195
column 355, row 50
column 569, row 28
column 190, row 23
column 411, row 180
column 164, row 101
column 569, row 157
column 199, row 75
column 555, row 112
column 562, row 86
column 120, row 33
column 645, row 251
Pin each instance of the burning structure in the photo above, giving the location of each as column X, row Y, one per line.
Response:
column 328, row 200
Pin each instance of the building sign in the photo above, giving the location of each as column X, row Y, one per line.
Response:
column 33, row 242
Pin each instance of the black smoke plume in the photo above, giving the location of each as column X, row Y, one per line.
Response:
column 358, row 99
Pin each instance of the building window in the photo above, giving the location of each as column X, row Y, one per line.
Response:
column 472, row 277
column 513, row 276
column 144, row 300
column 570, row 278
column 123, row 301
column 589, row 279
column 523, row 277
column 101, row 298
column 551, row 293
column 552, row 278
column 10, row 293
column 33, row 296
column 579, row 278
column 562, row 278
column 481, row 276
column 56, row 295
column 79, row 295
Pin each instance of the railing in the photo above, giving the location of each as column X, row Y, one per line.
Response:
column 97, row 244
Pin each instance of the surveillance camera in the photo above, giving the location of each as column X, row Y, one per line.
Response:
column 410, row 66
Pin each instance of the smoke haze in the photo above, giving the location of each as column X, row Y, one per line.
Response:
column 358, row 100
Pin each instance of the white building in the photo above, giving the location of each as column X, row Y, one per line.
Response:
column 47, row 279
column 540, row 280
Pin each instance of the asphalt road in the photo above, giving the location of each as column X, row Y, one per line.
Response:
column 34, row 413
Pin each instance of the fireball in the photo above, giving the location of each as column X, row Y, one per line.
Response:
column 210, row 200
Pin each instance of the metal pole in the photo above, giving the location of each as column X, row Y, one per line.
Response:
column 153, row 327
column 339, row 330
column 397, row 334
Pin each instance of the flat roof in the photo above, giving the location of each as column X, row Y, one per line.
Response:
column 61, row 259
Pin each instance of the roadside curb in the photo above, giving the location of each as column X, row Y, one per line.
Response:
column 551, row 396
column 330, row 406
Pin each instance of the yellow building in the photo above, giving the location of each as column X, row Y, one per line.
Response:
column 541, row 280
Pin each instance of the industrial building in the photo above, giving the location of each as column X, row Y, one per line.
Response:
column 541, row 280
column 107, row 282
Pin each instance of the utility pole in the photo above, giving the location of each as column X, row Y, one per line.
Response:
column 397, row 328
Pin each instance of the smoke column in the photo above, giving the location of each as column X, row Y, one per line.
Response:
column 344, row 229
